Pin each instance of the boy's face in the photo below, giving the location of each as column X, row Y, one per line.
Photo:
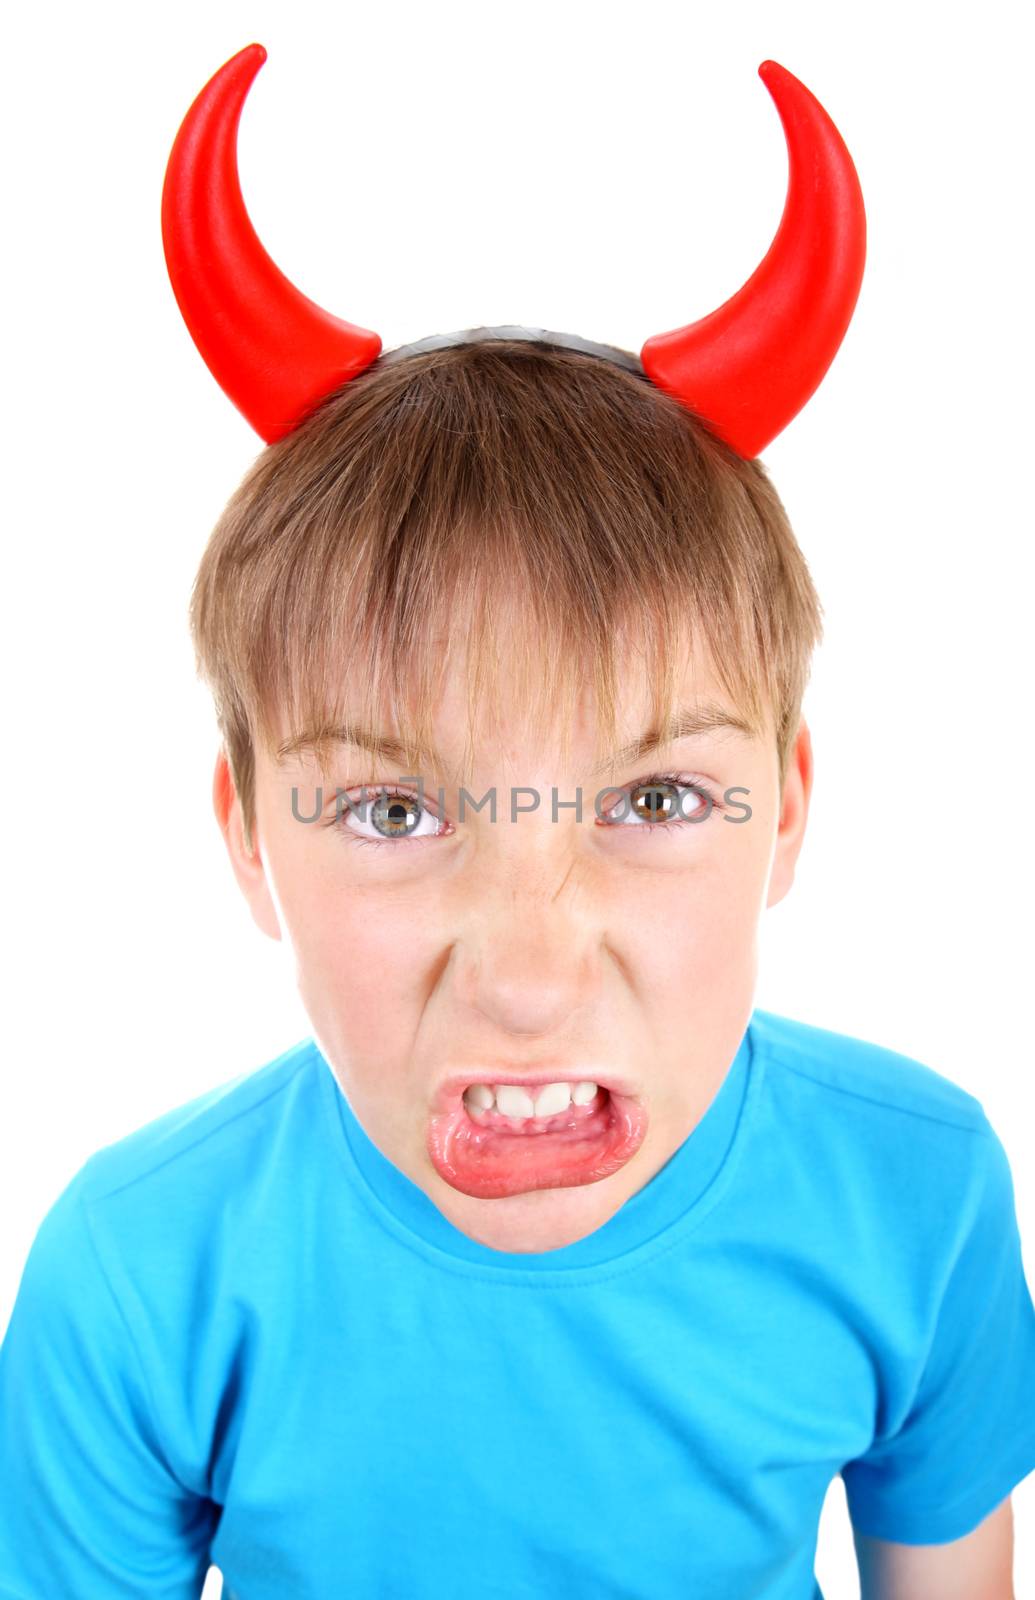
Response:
column 433, row 952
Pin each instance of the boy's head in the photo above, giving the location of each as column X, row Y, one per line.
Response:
column 508, row 636
column 523, row 559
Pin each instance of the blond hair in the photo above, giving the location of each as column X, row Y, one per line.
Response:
column 540, row 504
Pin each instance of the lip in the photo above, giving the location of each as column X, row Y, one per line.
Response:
column 491, row 1162
column 451, row 1089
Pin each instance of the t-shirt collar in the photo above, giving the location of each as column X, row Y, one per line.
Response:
column 672, row 1196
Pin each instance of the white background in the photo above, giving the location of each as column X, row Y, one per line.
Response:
column 593, row 168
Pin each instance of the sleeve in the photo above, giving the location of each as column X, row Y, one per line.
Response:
column 90, row 1508
column 969, row 1435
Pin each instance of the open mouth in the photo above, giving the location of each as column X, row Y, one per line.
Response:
column 492, row 1140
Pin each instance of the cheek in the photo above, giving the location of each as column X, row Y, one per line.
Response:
column 700, row 924
column 361, row 938
column 362, row 960
column 691, row 933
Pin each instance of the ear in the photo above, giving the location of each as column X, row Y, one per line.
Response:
column 248, row 866
column 794, row 810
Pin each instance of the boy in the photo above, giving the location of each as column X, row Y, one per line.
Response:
column 548, row 1265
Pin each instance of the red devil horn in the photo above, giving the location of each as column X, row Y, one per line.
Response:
column 750, row 366
column 273, row 350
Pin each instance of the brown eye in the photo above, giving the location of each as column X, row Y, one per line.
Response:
column 663, row 800
column 654, row 802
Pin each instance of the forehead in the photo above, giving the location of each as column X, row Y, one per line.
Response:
column 509, row 725
column 510, row 713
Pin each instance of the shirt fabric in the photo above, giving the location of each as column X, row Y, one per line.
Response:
column 242, row 1336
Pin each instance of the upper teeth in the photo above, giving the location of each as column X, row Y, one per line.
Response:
column 511, row 1100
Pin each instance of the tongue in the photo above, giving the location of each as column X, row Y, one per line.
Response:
column 490, row 1160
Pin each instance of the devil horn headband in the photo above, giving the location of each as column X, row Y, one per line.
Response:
column 746, row 369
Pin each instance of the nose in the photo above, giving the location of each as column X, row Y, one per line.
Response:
column 532, row 953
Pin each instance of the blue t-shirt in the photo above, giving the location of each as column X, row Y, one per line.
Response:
column 244, row 1337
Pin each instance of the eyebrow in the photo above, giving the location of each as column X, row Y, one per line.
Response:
column 691, row 722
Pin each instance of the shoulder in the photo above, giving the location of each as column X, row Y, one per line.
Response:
column 901, row 1162
column 132, row 1289
column 157, row 1220
column 217, row 1130
column 838, row 1069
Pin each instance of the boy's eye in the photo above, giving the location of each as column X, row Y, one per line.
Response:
column 664, row 799
column 384, row 815
column 392, row 816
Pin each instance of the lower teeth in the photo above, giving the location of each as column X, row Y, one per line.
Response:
column 559, row 1122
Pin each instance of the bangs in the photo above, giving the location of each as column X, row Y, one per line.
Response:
column 540, row 520
column 380, row 654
